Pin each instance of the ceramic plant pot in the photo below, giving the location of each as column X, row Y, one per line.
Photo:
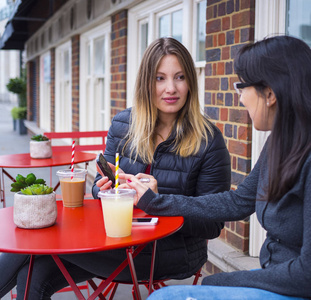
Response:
column 34, row 211
column 40, row 149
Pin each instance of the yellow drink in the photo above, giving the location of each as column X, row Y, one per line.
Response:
column 117, row 212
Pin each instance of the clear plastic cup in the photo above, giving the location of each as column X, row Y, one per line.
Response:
column 117, row 211
column 72, row 186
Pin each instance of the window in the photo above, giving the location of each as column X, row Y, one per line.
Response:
column 183, row 20
column 45, row 92
column 265, row 25
column 200, row 12
column 63, row 99
column 298, row 20
column 170, row 24
column 95, row 79
column 143, row 37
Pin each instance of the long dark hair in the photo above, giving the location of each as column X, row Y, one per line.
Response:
column 282, row 63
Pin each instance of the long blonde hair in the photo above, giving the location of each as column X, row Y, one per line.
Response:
column 191, row 126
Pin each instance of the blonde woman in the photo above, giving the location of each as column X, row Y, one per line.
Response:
column 163, row 135
column 166, row 136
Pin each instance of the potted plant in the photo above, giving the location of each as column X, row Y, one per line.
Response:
column 14, row 114
column 40, row 146
column 34, row 203
column 18, row 86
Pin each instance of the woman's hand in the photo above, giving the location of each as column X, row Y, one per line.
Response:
column 140, row 183
column 104, row 183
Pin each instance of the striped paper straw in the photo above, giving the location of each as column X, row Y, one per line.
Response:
column 117, row 172
column 72, row 157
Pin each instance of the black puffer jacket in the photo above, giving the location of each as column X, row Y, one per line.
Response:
column 183, row 253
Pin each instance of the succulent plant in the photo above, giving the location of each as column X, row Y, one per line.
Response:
column 39, row 138
column 30, row 185
column 37, row 189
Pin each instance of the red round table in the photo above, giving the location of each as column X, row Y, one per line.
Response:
column 24, row 160
column 80, row 230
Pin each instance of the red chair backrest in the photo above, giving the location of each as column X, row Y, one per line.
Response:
column 76, row 135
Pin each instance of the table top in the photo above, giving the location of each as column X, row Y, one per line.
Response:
column 24, row 160
column 78, row 230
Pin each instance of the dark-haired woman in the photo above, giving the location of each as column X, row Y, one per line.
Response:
column 275, row 88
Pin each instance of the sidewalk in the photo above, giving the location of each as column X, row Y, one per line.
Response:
column 11, row 142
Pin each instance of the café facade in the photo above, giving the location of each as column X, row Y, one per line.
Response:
column 82, row 57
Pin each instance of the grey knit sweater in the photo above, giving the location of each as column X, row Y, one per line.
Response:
column 285, row 256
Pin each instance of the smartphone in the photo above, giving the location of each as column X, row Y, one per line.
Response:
column 105, row 169
column 145, row 221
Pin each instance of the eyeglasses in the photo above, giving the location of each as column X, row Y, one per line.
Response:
column 238, row 86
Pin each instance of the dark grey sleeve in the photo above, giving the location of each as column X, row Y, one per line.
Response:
column 226, row 206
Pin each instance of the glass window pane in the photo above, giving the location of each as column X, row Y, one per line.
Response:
column 177, row 25
column 299, row 19
column 47, row 68
column 103, row 106
column 101, row 86
column 99, row 60
column 200, row 47
column 143, row 38
column 88, row 59
column 164, row 26
column 66, row 65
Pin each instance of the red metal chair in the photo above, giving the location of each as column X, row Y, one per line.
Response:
column 76, row 135
column 157, row 284
column 89, row 144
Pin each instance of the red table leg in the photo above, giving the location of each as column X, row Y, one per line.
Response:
column 117, row 271
column 2, row 187
column 32, row 258
column 68, row 277
column 152, row 266
column 106, row 282
column 2, row 195
column 129, row 253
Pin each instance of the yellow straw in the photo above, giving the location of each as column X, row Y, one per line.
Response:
column 117, row 172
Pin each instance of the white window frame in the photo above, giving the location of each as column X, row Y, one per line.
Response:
column 63, row 102
column 87, row 119
column 270, row 18
column 45, row 93
column 150, row 10
column 200, row 65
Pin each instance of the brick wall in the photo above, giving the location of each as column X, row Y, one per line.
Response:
column 52, row 88
column 118, row 62
column 75, row 71
column 229, row 25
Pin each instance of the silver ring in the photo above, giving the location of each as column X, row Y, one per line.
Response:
column 144, row 180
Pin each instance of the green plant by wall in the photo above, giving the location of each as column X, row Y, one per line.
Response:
column 19, row 112
column 18, row 85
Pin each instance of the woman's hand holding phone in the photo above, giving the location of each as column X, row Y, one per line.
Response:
column 107, row 171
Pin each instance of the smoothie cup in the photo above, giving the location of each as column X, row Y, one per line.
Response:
column 72, row 185
column 117, row 208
